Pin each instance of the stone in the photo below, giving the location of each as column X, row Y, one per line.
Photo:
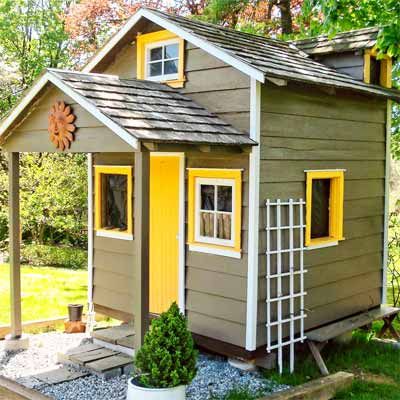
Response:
column 12, row 344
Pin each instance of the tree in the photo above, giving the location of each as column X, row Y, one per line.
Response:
column 32, row 37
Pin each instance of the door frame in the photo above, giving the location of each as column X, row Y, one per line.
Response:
column 181, row 232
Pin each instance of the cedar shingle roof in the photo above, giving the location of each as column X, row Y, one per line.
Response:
column 151, row 111
column 348, row 41
column 275, row 58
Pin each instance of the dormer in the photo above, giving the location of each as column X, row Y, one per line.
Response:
column 160, row 57
column 352, row 53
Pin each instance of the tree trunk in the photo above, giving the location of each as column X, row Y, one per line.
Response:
column 286, row 17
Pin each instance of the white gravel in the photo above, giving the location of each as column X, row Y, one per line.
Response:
column 214, row 379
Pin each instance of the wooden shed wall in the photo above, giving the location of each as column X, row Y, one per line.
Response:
column 349, row 63
column 114, row 260
column 309, row 129
column 31, row 135
column 216, row 286
column 210, row 82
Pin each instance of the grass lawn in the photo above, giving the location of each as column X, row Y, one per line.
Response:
column 46, row 292
column 376, row 366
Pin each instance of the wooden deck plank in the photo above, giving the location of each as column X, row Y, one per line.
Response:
column 127, row 342
column 91, row 356
column 59, row 375
column 112, row 335
column 105, row 364
column 337, row 328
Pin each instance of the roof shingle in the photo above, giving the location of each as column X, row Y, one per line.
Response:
column 152, row 111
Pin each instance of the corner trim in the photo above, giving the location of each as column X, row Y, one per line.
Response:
column 386, row 215
column 254, row 216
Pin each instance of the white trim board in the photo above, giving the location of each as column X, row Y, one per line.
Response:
column 184, row 34
column 387, row 204
column 91, row 108
column 254, row 213
column 90, row 228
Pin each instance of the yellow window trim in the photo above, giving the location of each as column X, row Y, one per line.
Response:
column 386, row 68
column 335, row 206
column 234, row 174
column 115, row 170
column 145, row 39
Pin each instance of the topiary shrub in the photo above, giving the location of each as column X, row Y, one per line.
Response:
column 167, row 358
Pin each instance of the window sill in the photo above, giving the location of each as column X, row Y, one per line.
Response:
column 322, row 245
column 174, row 83
column 218, row 251
column 114, row 235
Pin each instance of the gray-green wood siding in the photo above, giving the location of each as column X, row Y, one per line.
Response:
column 305, row 128
column 114, row 260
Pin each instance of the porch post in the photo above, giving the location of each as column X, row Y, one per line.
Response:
column 14, row 235
column 141, row 234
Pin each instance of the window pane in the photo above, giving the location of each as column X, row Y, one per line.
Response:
column 321, row 189
column 171, row 67
column 207, row 224
column 114, row 202
column 171, row 51
column 207, row 197
column 375, row 72
column 156, row 69
column 156, row 54
column 224, row 226
column 225, row 198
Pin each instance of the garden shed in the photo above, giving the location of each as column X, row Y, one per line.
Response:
column 242, row 177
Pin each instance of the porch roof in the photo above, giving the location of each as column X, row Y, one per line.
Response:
column 147, row 111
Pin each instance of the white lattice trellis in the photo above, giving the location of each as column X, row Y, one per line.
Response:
column 285, row 265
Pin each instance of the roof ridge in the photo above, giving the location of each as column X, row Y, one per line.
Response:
column 337, row 35
column 223, row 28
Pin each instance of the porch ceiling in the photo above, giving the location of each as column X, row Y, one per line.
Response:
column 147, row 111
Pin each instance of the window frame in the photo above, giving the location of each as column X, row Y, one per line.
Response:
column 146, row 42
column 162, row 77
column 386, row 66
column 113, row 170
column 214, row 182
column 221, row 177
column 336, row 202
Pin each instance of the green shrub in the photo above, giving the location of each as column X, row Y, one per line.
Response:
column 54, row 256
column 167, row 357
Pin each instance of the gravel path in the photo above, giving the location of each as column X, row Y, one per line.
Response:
column 215, row 376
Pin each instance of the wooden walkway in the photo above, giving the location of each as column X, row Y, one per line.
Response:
column 110, row 354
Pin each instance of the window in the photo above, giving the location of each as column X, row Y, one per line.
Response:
column 215, row 211
column 377, row 71
column 160, row 57
column 114, row 201
column 324, row 219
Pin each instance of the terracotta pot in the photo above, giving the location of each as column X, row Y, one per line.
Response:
column 136, row 392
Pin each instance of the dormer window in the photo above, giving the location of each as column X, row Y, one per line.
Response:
column 162, row 61
column 160, row 58
column 377, row 71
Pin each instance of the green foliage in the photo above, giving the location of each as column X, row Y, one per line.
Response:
column 167, row 357
column 54, row 256
column 32, row 37
column 364, row 390
column 237, row 395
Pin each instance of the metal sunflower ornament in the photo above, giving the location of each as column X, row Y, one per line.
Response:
column 61, row 127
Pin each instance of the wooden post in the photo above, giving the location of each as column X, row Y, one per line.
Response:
column 141, row 235
column 14, row 233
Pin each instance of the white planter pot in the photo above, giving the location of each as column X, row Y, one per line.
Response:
column 141, row 393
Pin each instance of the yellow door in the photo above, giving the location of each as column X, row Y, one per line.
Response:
column 164, row 230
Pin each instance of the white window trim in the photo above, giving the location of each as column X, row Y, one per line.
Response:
column 208, row 240
column 114, row 234
column 216, row 251
column 162, row 77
